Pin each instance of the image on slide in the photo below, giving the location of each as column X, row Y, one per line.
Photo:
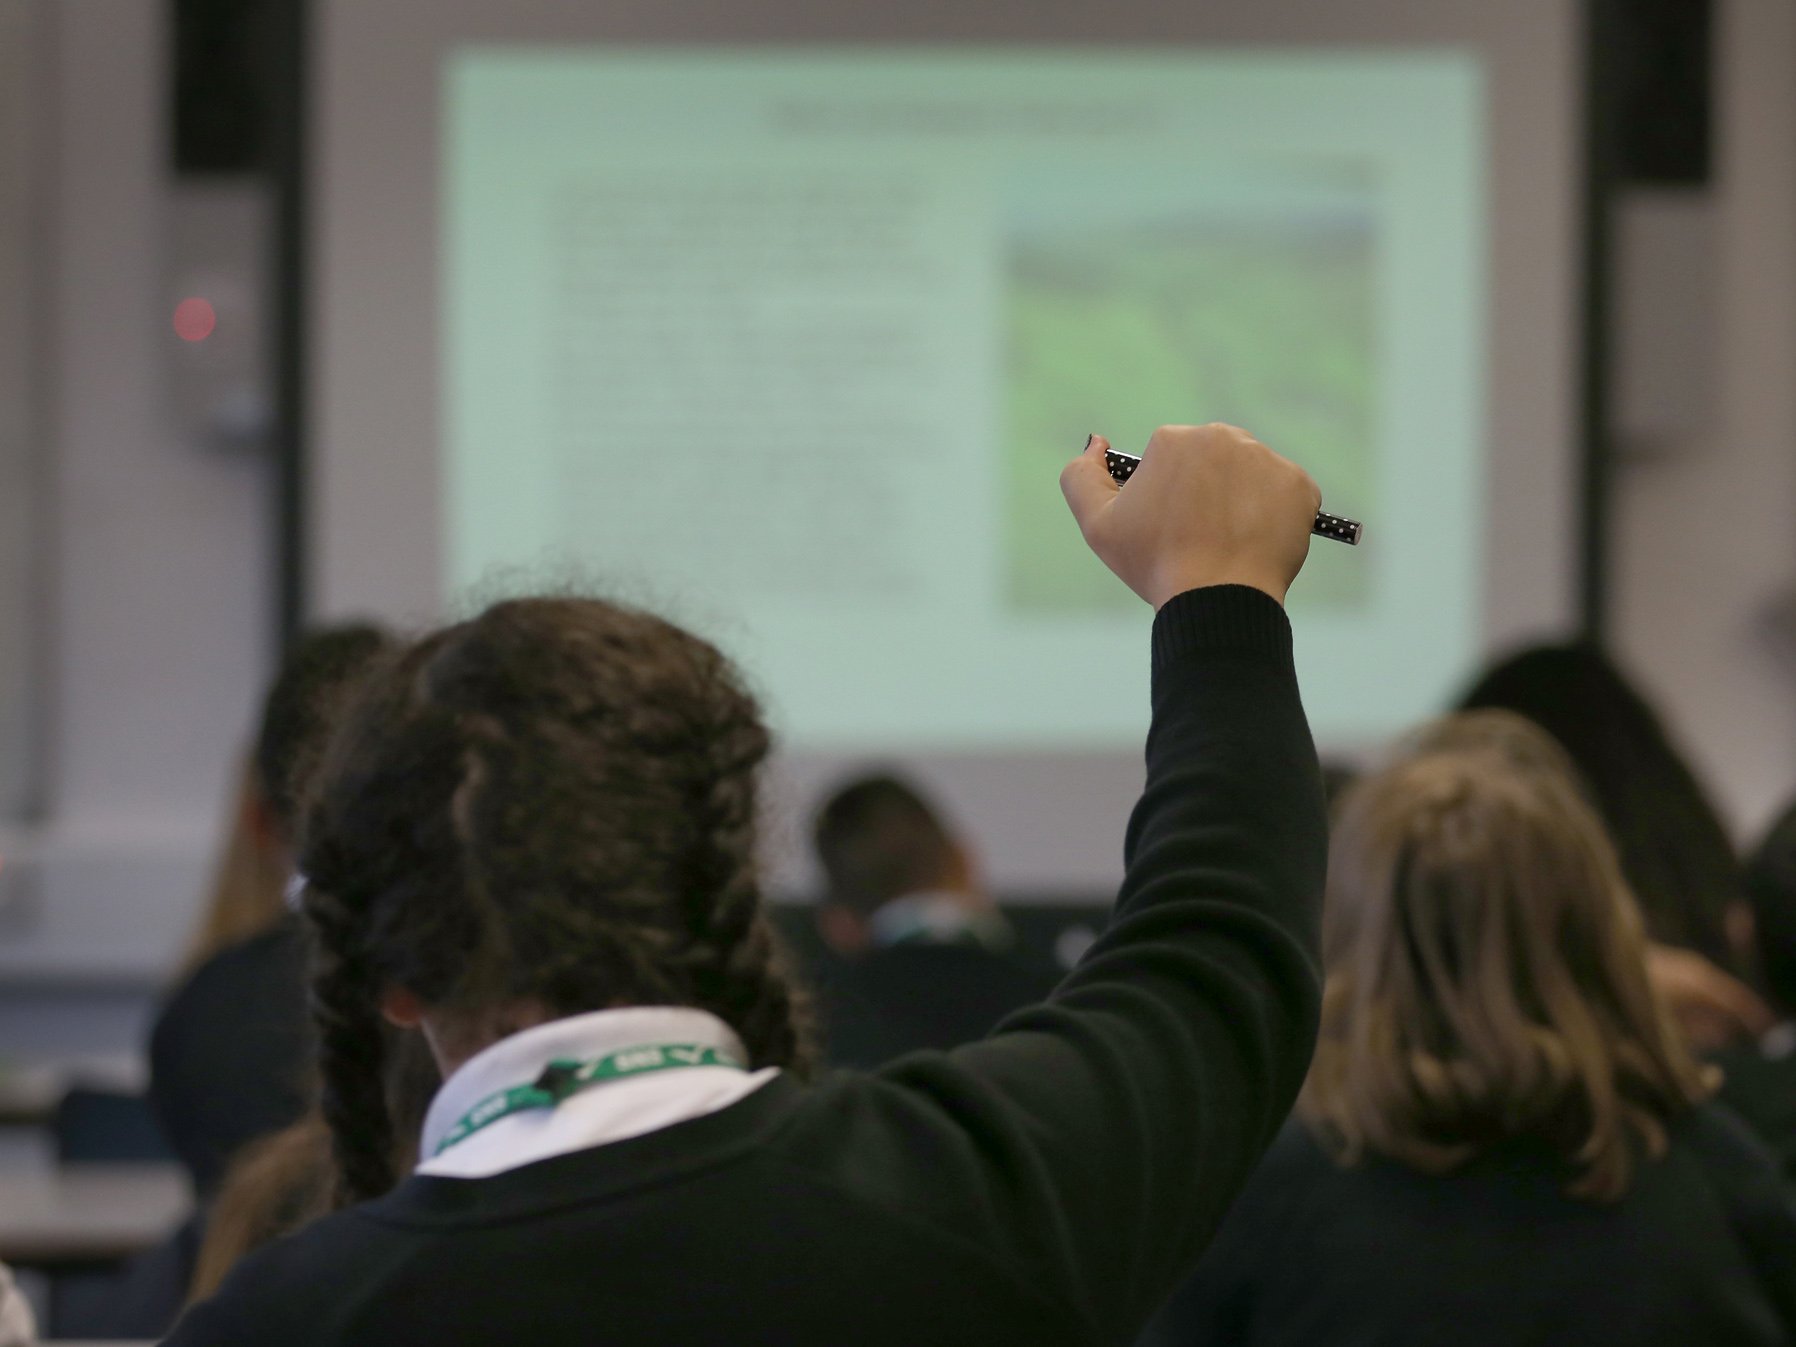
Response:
column 1253, row 302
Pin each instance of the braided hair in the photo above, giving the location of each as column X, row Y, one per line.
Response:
column 553, row 803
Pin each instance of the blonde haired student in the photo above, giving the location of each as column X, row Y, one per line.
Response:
column 1503, row 1137
column 1713, row 1007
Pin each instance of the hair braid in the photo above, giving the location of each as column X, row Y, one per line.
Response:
column 352, row 1067
column 736, row 964
column 551, row 807
column 745, row 975
column 379, row 837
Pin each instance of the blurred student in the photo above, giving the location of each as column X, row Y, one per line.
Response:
column 1759, row 1076
column 534, row 841
column 231, row 1056
column 1503, row 1138
column 1674, row 850
column 924, row 957
column 1713, row 1007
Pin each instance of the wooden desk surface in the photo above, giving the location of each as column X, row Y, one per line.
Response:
column 88, row 1213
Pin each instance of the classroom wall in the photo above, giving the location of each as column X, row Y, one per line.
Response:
column 158, row 558
column 1704, row 549
column 18, row 464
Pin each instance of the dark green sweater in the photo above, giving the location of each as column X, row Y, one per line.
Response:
column 1047, row 1185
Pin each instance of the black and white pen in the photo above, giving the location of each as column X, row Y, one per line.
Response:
column 1338, row 527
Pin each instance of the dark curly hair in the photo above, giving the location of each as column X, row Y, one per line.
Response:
column 315, row 673
column 554, row 802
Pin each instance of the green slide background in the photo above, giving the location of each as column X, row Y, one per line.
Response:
column 1269, row 325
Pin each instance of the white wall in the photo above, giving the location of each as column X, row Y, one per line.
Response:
column 158, row 558
column 1705, row 525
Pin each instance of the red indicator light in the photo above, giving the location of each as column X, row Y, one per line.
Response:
column 194, row 320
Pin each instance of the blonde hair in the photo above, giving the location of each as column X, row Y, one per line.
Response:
column 280, row 1183
column 1487, row 979
column 1516, row 740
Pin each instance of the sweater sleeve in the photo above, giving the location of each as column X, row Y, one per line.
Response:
column 1096, row 1141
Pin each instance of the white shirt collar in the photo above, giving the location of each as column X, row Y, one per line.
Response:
column 608, row 1112
column 935, row 917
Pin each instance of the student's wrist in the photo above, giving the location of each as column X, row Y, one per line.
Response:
column 1187, row 580
column 1230, row 618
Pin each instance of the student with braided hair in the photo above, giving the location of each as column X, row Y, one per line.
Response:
column 533, row 842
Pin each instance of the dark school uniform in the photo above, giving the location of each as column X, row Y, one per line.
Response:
column 1047, row 1185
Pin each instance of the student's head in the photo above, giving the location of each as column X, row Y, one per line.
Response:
column 877, row 839
column 1771, row 887
column 546, row 810
column 256, row 858
column 1674, row 850
column 1486, row 979
column 1512, row 739
column 318, row 670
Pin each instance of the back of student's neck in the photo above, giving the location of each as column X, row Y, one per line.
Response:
column 456, row 1038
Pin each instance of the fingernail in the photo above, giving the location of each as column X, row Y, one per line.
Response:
column 1088, row 440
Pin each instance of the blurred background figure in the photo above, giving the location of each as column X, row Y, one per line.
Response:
column 1674, row 850
column 232, row 1053
column 1714, row 1008
column 1503, row 1137
column 923, row 958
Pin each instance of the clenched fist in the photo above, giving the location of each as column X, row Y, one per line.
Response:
column 1209, row 505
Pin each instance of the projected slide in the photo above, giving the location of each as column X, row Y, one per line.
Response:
column 793, row 345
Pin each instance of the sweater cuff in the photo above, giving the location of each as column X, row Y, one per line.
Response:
column 1221, row 619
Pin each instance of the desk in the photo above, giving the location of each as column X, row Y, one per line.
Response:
column 28, row 1096
column 88, row 1213
column 30, row 1091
